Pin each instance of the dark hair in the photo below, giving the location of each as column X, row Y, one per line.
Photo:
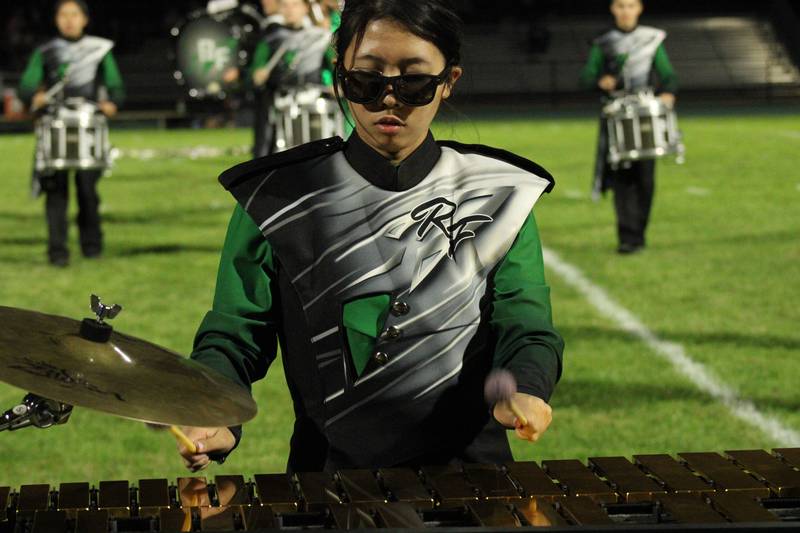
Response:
column 80, row 3
column 433, row 20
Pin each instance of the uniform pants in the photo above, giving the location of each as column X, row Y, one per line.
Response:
column 263, row 128
column 56, row 188
column 633, row 197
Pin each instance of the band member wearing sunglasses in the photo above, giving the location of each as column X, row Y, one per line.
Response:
column 87, row 68
column 628, row 58
column 395, row 271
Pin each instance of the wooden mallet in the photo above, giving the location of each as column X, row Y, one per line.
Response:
column 500, row 387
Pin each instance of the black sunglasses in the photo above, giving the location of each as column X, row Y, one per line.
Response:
column 364, row 87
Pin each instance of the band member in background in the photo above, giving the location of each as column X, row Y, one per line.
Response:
column 272, row 15
column 291, row 55
column 87, row 65
column 628, row 58
column 395, row 271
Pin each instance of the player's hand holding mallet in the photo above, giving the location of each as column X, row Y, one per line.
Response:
column 529, row 415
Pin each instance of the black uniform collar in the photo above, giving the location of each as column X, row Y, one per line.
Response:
column 382, row 173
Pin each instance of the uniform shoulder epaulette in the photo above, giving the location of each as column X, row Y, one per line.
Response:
column 256, row 167
column 502, row 155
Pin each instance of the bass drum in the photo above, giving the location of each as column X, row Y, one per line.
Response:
column 208, row 44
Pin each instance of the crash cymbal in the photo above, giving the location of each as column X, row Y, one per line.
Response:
column 124, row 376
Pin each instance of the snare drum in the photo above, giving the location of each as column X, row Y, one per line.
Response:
column 74, row 136
column 305, row 115
column 640, row 126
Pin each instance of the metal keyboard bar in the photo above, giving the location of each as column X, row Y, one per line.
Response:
column 72, row 497
column 153, row 496
column 115, row 496
column 348, row 517
column 193, row 492
column 690, row 509
column 533, row 481
column 276, row 491
column 790, row 455
column 398, row 515
column 219, row 518
column 629, row 482
column 405, row 486
column 33, row 497
column 48, row 521
column 231, row 490
column 579, row 480
column 539, row 513
column 493, row 513
column 675, row 476
column 724, row 474
column 583, row 511
column 449, row 484
column 782, row 479
column 361, row 486
column 740, row 507
column 318, row 490
column 174, row 519
column 5, row 493
column 95, row 521
column 258, row 518
column 492, row 482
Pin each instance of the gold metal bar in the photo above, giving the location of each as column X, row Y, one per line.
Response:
column 739, row 507
column 259, row 518
column 790, row 455
column 689, row 509
column 33, row 497
column 318, row 490
column 782, row 479
column 73, row 496
column 115, row 496
column 492, row 482
column 405, row 486
column 583, row 511
column 219, row 518
column 174, row 520
column 193, row 492
column 153, row 496
column 675, row 476
column 579, row 480
column 630, row 483
column 533, row 480
column 449, row 483
column 398, row 515
column 724, row 474
column 493, row 514
column 231, row 490
column 95, row 521
column 361, row 486
column 276, row 491
column 539, row 513
column 49, row 521
column 5, row 492
column 348, row 517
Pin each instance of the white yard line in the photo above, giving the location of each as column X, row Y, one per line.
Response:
column 672, row 352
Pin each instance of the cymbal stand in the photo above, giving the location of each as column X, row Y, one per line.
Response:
column 35, row 411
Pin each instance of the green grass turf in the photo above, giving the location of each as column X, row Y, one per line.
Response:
column 720, row 276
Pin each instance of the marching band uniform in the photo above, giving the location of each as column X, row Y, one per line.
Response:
column 307, row 59
column 88, row 65
column 634, row 58
column 393, row 290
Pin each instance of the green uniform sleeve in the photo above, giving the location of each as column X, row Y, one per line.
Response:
column 261, row 57
column 663, row 66
column 112, row 79
column 527, row 343
column 238, row 337
column 32, row 77
column 593, row 69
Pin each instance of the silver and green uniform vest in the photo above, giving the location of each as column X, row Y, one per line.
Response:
column 432, row 249
column 78, row 61
column 302, row 55
column 632, row 54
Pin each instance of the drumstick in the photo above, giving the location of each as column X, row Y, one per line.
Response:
column 181, row 437
column 500, row 387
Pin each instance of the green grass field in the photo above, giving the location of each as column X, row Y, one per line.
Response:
column 721, row 276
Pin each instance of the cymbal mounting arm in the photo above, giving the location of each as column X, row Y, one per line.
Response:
column 35, row 411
